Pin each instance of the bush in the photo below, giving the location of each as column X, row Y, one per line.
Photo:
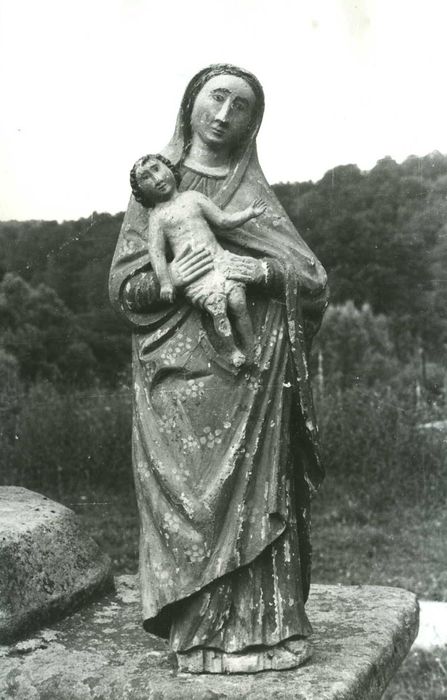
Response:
column 63, row 442
column 11, row 397
column 372, row 440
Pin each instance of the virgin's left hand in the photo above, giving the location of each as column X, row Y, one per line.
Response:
column 243, row 268
column 189, row 266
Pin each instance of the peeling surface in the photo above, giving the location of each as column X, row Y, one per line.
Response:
column 48, row 564
column 361, row 635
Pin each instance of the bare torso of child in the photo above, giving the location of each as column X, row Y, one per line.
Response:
column 183, row 222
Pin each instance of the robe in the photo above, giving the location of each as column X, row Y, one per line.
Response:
column 225, row 460
column 220, row 484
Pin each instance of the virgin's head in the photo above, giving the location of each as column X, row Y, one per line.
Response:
column 222, row 106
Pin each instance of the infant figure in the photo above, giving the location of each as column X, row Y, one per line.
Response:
column 182, row 219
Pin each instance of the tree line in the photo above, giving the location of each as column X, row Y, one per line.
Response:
column 381, row 235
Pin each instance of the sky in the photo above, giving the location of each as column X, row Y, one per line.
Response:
column 88, row 86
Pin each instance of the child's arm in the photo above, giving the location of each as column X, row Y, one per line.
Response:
column 157, row 253
column 215, row 215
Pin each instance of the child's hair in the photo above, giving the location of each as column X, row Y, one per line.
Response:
column 136, row 191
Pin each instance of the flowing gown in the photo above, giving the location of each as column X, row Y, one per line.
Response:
column 219, row 463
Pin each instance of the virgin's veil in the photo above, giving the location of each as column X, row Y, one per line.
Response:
column 271, row 235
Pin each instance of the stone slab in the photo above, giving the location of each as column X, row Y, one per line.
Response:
column 361, row 635
column 48, row 564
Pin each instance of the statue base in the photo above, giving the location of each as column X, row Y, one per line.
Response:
column 289, row 654
column 361, row 635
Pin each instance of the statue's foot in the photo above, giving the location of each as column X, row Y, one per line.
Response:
column 287, row 655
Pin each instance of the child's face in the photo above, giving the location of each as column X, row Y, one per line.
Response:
column 155, row 180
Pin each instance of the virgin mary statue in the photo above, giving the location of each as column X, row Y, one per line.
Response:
column 225, row 460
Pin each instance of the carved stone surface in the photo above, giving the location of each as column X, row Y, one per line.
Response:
column 48, row 564
column 361, row 635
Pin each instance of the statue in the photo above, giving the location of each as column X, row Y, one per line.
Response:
column 225, row 454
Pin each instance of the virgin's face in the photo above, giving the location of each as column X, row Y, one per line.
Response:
column 222, row 111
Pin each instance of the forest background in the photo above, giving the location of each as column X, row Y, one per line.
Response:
column 379, row 367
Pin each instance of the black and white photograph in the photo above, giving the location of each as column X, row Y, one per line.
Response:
column 223, row 350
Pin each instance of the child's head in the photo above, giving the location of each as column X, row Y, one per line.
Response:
column 153, row 179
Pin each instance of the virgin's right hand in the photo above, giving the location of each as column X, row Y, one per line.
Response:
column 243, row 268
column 189, row 266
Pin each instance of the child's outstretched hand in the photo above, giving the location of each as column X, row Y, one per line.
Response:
column 258, row 207
column 167, row 293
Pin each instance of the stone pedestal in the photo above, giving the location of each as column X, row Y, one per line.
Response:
column 361, row 635
column 48, row 564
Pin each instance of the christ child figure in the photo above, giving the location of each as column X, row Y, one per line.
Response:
column 180, row 220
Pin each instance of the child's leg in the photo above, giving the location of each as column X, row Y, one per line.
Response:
column 237, row 304
column 216, row 306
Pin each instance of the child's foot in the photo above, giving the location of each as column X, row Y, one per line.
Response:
column 238, row 358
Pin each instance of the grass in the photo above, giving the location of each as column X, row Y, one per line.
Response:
column 400, row 546
column 112, row 520
column 422, row 676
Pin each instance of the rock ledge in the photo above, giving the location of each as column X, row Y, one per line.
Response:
column 361, row 635
column 48, row 564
